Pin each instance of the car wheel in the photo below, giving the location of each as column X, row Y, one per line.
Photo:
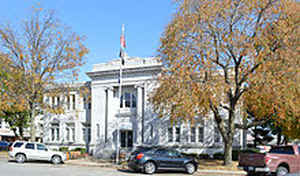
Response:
column 20, row 158
column 149, row 167
column 56, row 159
column 190, row 168
column 281, row 171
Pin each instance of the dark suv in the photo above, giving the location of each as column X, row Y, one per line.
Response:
column 149, row 160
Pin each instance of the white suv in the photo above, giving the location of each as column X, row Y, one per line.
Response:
column 23, row 151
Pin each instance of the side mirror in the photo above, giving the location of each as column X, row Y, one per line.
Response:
column 46, row 149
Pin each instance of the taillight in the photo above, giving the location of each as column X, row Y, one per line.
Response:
column 10, row 149
column 267, row 160
column 139, row 156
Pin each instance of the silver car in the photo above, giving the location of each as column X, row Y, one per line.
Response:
column 22, row 151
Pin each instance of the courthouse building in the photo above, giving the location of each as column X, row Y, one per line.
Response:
column 94, row 124
column 134, row 116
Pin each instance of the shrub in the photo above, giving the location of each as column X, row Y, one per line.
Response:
column 64, row 149
column 79, row 149
column 203, row 156
column 235, row 155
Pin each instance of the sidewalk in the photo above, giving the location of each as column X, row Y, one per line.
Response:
column 89, row 163
column 3, row 154
column 221, row 172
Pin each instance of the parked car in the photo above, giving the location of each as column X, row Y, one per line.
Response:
column 22, row 151
column 280, row 160
column 149, row 160
column 4, row 145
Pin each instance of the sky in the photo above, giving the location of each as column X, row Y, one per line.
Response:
column 100, row 22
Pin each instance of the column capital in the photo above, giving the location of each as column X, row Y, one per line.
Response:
column 109, row 88
column 140, row 85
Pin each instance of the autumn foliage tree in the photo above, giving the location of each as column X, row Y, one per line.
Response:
column 215, row 51
column 46, row 53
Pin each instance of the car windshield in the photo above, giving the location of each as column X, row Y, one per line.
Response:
column 18, row 144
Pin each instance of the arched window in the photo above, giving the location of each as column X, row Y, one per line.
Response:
column 128, row 100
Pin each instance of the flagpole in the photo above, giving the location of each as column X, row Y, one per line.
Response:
column 122, row 55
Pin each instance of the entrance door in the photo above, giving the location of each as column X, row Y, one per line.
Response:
column 126, row 138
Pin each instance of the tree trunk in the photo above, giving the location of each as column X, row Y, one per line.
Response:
column 228, row 152
column 32, row 125
column 21, row 133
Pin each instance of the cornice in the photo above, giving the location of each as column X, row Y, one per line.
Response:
column 113, row 72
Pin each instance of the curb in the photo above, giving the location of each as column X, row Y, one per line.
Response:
column 89, row 164
column 223, row 172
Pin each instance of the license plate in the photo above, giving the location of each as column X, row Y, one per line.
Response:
column 250, row 168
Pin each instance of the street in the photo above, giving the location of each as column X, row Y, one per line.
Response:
column 47, row 169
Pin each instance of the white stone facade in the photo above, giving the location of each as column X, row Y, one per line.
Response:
column 71, row 129
column 95, row 125
column 136, row 120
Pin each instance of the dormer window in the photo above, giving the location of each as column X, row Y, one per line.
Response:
column 128, row 100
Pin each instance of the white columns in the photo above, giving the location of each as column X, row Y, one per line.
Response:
column 139, row 114
column 109, row 115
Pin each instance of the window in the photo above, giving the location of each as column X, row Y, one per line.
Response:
column 58, row 101
column 151, row 131
column 161, row 152
column 73, row 133
column 283, row 150
column 83, row 134
column 55, row 132
column 29, row 146
column 74, row 102
column 200, row 134
column 68, row 134
column 177, row 133
column 89, row 134
column 126, row 138
column 170, row 134
column 41, row 147
column 52, row 134
column 53, row 101
column 193, row 134
column 173, row 153
column 217, row 136
column 98, row 130
column 128, row 100
column 68, row 102
column 18, row 144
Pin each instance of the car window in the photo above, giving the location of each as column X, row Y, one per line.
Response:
column 41, row 147
column 29, row 146
column 161, row 152
column 283, row 150
column 299, row 149
column 173, row 153
column 18, row 144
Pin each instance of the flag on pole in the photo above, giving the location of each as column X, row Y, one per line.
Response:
column 123, row 46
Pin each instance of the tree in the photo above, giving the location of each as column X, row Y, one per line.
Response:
column 18, row 121
column 46, row 53
column 212, row 50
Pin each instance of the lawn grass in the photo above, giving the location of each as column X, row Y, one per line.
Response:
column 213, row 164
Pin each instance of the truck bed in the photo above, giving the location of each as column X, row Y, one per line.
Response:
column 252, row 159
